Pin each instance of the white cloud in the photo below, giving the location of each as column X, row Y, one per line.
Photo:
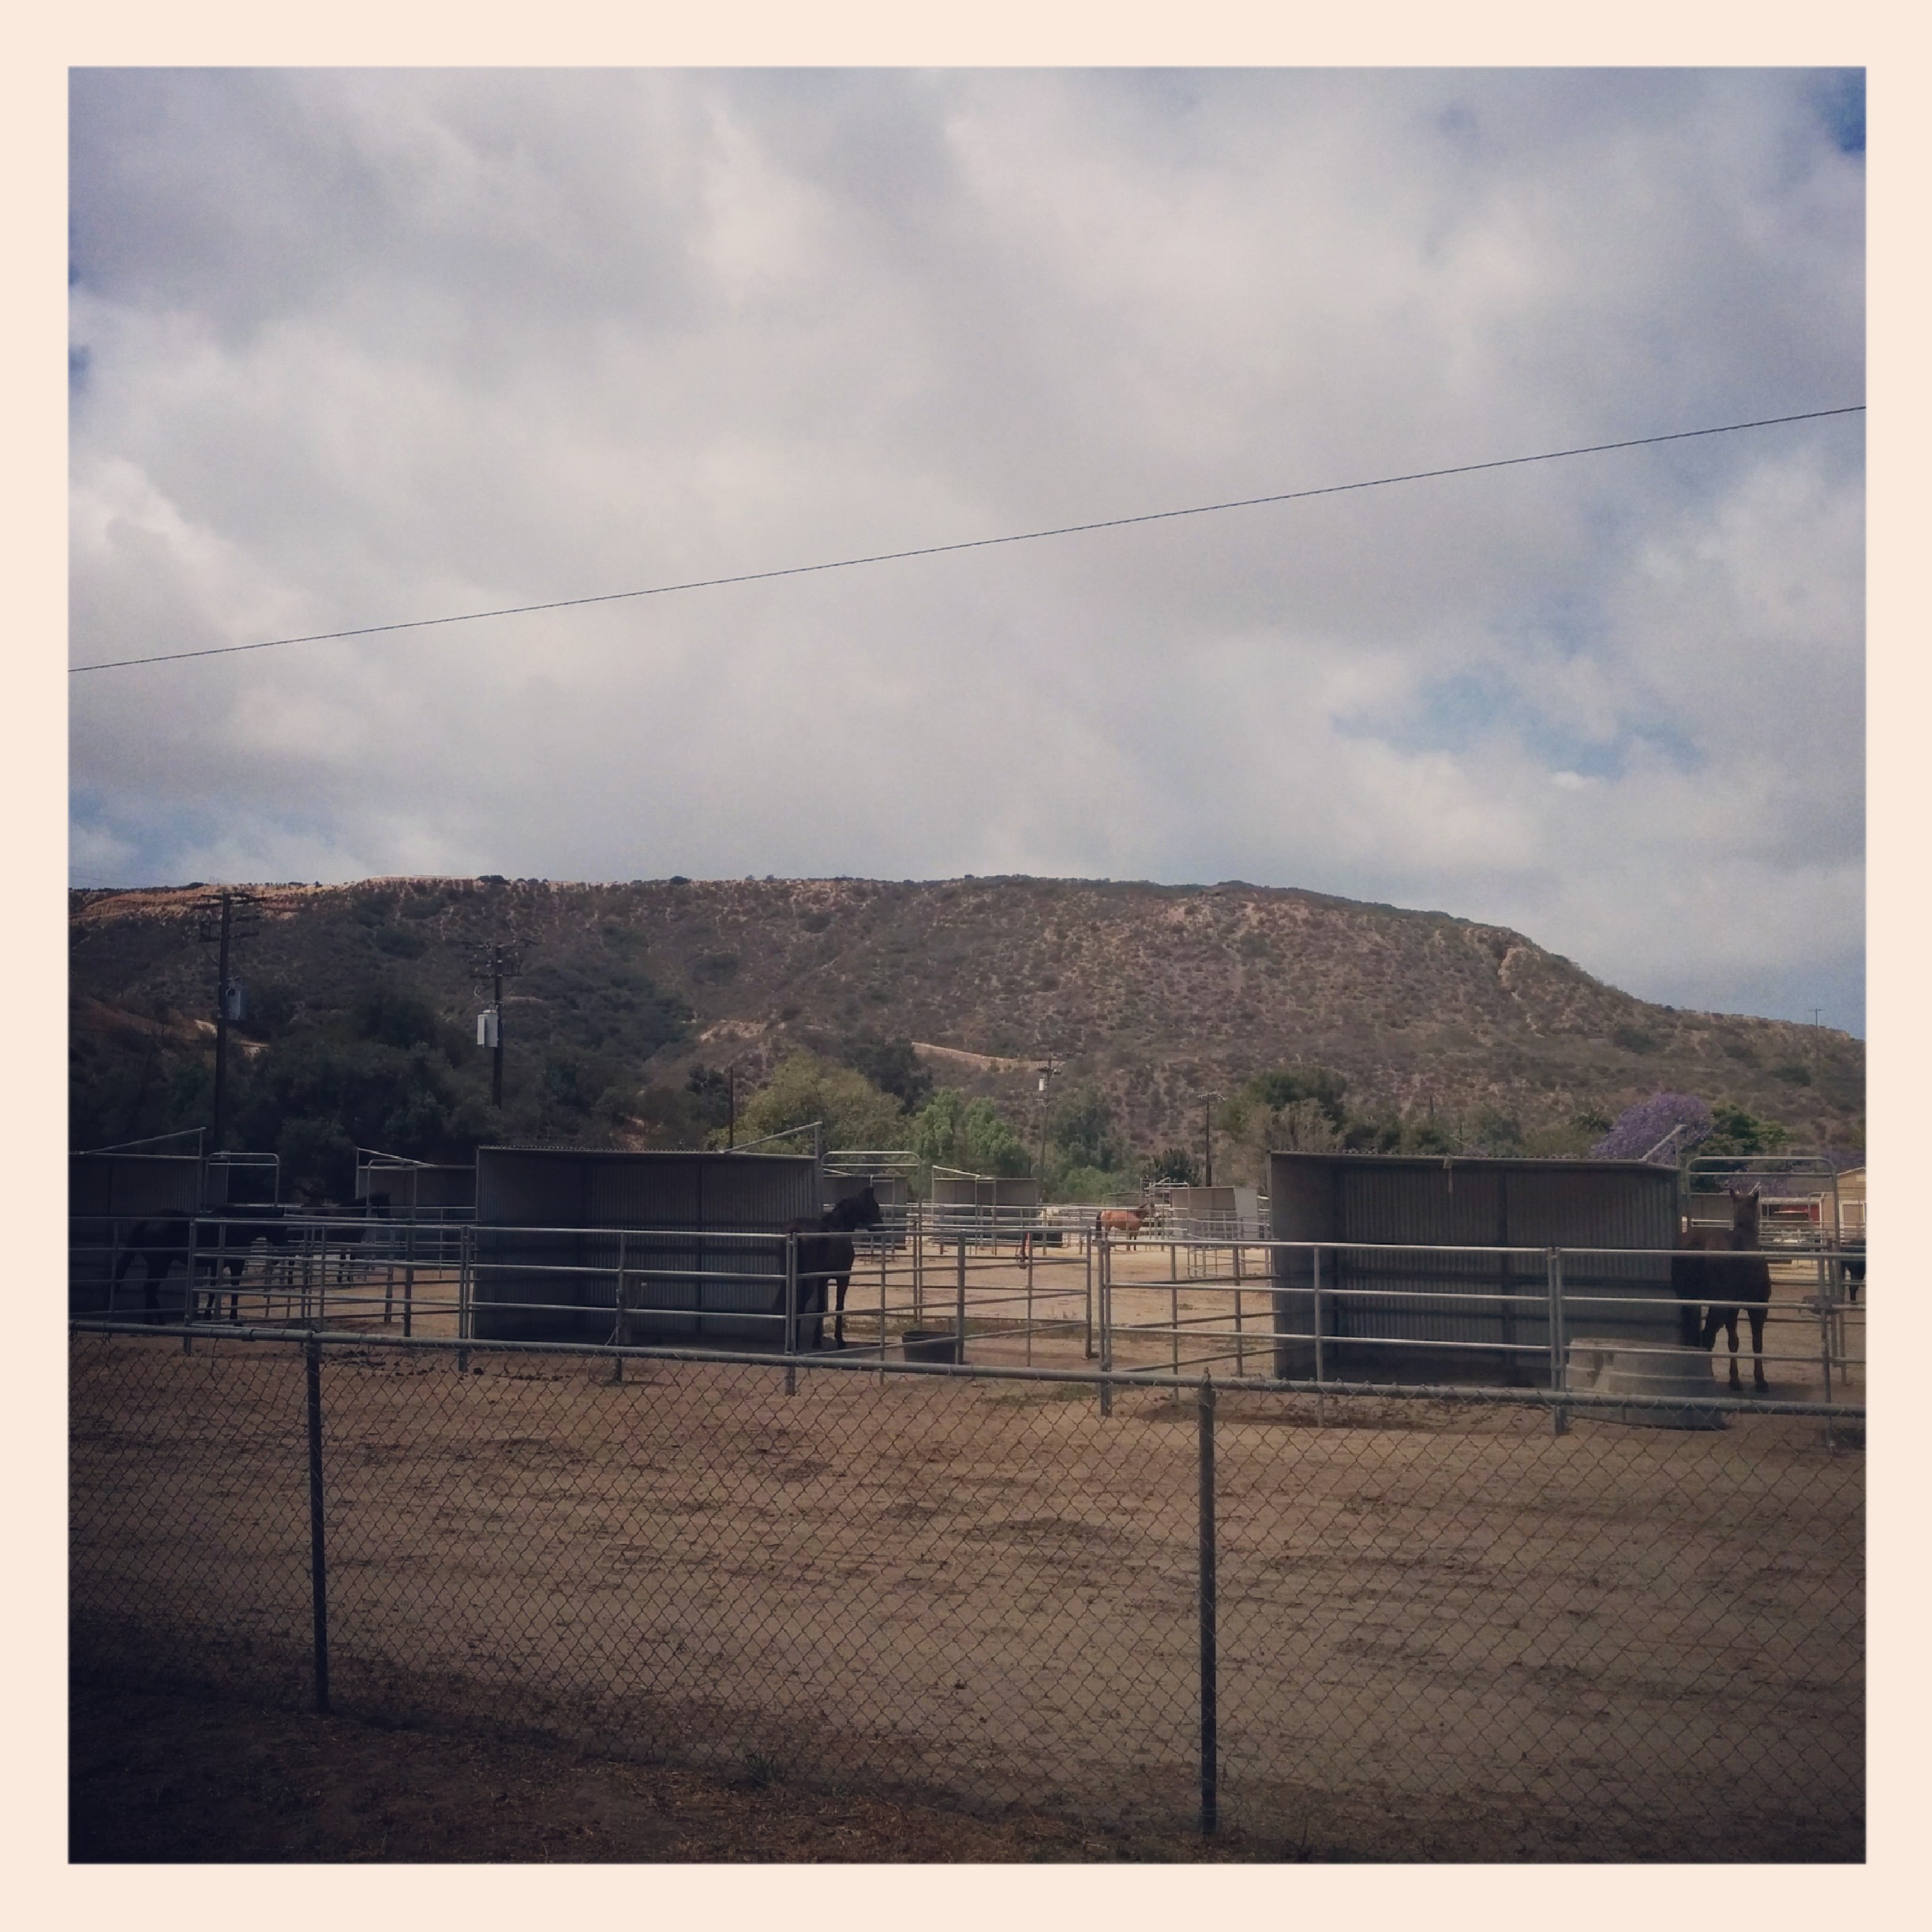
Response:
column 371, row 346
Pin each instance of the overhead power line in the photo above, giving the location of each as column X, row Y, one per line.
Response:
column 972, row 543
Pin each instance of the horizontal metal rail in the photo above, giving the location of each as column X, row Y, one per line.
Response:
column 1077, row 1280
column 351, row 1340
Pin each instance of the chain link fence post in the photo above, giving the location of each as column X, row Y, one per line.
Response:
column 620, row 1333
column 465, row 1245
column 318, row 1551
column 1559, row 1418
column 1106, row 1320
column 791, row 1313
column 1210, row 1746
column 187, row 1287
column 1087, row 1299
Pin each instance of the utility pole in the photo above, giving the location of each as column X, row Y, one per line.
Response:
column 731, row 1104
column 226, row 916
column 1207, row 1133
column 500, row 962
column 1046, row 1072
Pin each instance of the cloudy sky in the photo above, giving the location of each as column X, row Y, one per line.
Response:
column 350, row 349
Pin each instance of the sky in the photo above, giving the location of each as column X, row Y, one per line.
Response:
column 358, row 348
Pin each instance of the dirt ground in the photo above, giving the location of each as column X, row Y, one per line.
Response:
column 161, row 1778
column 1443, row 1633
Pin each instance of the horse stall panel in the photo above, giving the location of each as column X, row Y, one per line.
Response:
column 554, row 1226
column 1609, row 1205
column 1422, row 1316
column 1199, row 1213
column 432, row 1190
column 1466, row 1300
column 962, row 1205
column 107, row 1195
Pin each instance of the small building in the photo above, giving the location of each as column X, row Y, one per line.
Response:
column 690, row 1235
column 1852, row 1203
column 1406, row 1285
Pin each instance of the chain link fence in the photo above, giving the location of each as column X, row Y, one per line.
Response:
column 1354, row 1622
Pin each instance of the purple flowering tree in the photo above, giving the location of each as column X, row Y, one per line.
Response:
column 1645, row 1128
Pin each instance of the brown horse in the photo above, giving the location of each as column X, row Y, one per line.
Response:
column 1710, row 1273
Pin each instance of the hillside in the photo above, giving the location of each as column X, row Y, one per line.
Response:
column 1156, row 996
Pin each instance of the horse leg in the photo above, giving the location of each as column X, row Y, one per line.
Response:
column 1756, row 1313
column 810, row 1301
column 838, row 1325
column 1689, row 1325
column 1726, row 1319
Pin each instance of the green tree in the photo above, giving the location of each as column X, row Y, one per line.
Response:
column 951, row 1131
column 1279, row 1090
column 393, row 1017
column 1294, row 1110
column 1734, row 1130
column 804, row 1087
column 315, row 1098
column 1175, row 1164
column 890, row 1064
column 1080, row 1131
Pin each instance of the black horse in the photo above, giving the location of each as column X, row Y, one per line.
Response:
column 1853, row 1249
column 162, row 1242
column 1710, row 1274
column 826, row 1255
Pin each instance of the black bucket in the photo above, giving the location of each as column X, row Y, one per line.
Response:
column 933, row 1345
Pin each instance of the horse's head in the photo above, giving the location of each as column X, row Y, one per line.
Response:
column 857, row 1210
column 1744, row 1220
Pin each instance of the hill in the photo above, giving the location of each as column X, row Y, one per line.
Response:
column 1153, row 996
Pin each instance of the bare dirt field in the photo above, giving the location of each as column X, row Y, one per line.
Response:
column 1443, row 1632
column 160, row 1777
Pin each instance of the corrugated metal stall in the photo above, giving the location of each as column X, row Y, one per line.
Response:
column 415, row 1185
column 1202, row 1213
column 555, row 1224
column 888, row 1190
column 106, row 1195
column 133, row 1184
column 1386, row 1317
column 982, row 1207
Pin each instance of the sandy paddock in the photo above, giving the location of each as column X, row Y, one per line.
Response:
column 1443, row 1632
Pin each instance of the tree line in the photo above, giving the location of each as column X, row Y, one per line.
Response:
column 388, row 1072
